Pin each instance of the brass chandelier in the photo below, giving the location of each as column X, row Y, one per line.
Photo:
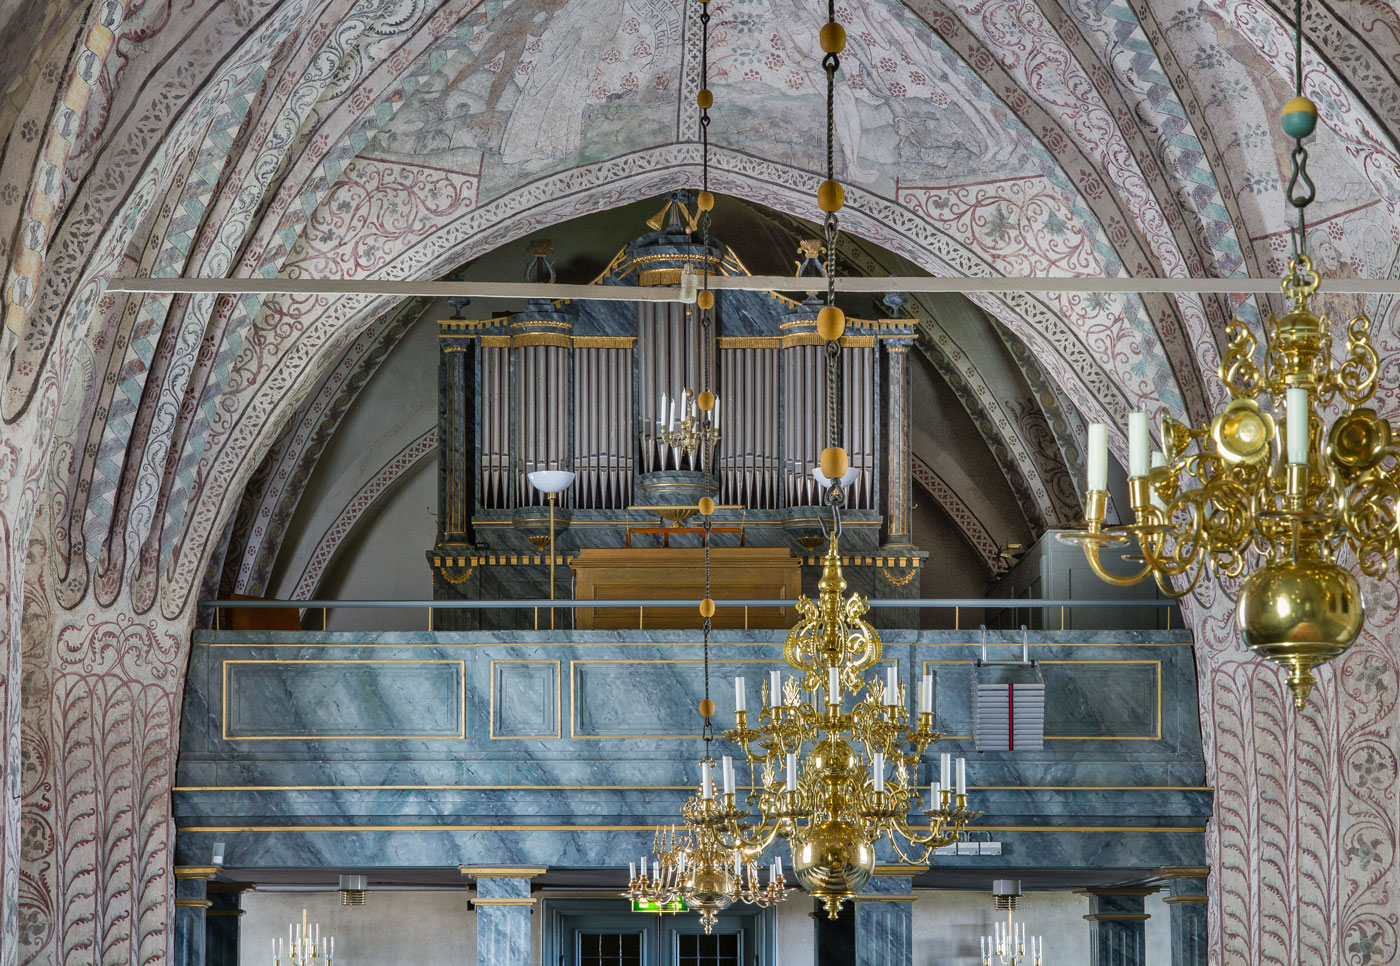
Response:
column 1268, row 491
column 695, row 863
column 833, row 758
column 698, row 862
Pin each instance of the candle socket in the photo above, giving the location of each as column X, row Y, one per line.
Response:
column 1140, row 493
column 1299, row 476
column 1096, row 510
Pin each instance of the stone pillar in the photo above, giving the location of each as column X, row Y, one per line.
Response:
column 1118, row 934
column 899, row 526
column 885, row 919
column 191, row 901
column 1187, row 899
column 502, row 915
column 221, row 921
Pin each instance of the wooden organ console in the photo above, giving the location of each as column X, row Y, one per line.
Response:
column 578, row 386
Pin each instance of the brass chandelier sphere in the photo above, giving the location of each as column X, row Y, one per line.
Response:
column 1300, row 615
column 832, row 858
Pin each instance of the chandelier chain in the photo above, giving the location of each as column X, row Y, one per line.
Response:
column 1301, row 190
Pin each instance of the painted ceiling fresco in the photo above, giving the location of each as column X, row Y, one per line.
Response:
column 402, row 137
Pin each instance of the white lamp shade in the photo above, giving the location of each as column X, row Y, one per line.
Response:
column 551, row 481
column 847, row 478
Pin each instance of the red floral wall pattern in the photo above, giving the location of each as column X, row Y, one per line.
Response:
column 263, row 137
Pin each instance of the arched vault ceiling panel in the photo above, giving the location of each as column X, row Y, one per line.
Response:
column 1238, row 64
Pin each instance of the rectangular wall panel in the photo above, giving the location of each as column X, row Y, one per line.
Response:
column 1089, row 700
column 524, row 699
column 369, row 699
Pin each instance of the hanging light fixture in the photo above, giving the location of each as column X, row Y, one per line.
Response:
column 1007, row 944
column 833, row 758
column 695, row 863
column 1267, row 490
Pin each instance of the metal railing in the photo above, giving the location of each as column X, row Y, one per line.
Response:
column 955, row 604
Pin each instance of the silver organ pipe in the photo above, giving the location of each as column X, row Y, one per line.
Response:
column 542, row 423
column 668, row 345
column 494, row 413
column 602, row 416
column 749, row 461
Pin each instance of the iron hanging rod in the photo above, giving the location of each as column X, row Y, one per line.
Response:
column 957, row 284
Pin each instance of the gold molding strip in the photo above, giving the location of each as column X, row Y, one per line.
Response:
column 194, row 903
column 489, row 901
column 196, row 871
column 653, row 788
column 501, row 871
column 884, row 898
column 1173, row 900
column 1193, row 829
column 900, row 870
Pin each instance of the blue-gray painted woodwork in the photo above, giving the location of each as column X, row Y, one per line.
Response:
column 191, row 900
column 885, row 922
column 510, row 792
column 221, row 924
column 339, row 698
column 1187, row 902
column 1117, row 927
column 899, row 517
column 502, row 929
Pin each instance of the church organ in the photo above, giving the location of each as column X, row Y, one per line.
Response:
column 579, row 386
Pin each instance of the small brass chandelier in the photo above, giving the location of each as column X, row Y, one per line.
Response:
column 1007, row 944
column 1268, row 490
column 833, row 757
column 696, row 431
column 695, row 863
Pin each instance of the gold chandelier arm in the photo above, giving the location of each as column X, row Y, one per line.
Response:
column 1091, row 554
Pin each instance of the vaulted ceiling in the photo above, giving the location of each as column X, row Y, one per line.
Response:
column 401, row 138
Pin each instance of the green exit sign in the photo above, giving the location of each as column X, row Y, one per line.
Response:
column 675, row 905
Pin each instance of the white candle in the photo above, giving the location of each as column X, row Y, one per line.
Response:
column 891, row 686
column 792, row 771
column 962, row 776
column 935, row 794
column 672, row 423
column 833, row 686
column 945, row 770
column 1298, row 415
column 728, row 770
column 631, row 871
column 775, row 688
column 331, row 951
column 706, row 789
column 778, row 864
column 276, row 943
column 928, row 694
column 1139, row 444
column 739, row 704
column 714, row 414
column 1159, row 461
column 661, row 412
column 1098, row 456
column 879, row 764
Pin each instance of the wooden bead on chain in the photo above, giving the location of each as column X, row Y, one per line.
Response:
column 834, row 462
column 706, row 506
column 833, row 38
column 707, row 608
column 707, row 708
column 705, row 99
column 705, row 299
column 705, row 401
column 831, row 322
column 831, row 196
column 705, row 201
